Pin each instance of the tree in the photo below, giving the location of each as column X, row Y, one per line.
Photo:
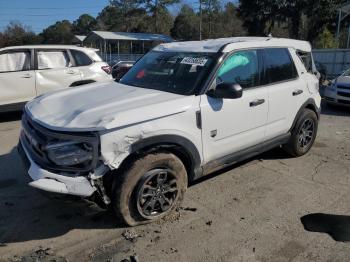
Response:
column 123, row 17
column 320, row 13
column 2, row 40
column 84, row 24
column 186, row 25
column 230, row 24
column 326, row 40
column 256, row 15
column 305, row 18
column 58, row 33
column 18, row 34
column 109, row 18
column 210, row 15
column 157, row 8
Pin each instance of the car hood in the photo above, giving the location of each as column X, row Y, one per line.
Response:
column 104, row 106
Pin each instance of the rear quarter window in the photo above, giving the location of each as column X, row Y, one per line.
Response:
column 306, row 58
column 80, row 58
column 279, row 65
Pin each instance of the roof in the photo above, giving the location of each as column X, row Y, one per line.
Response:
column 127, row 36
column 47, row 47
column 80, row 37
column 230, row 44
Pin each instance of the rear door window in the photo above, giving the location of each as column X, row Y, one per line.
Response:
column 15, row 61
column 54, row 59
column 80, row 58
column 279, row 65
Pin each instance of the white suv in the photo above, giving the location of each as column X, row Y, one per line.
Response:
column 181, row 112
column 29, row 71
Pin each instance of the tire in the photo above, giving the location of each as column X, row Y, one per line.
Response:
column 146, row 190
column 301, row 139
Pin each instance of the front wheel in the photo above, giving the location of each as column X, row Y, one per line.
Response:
column 303, row 135
column 149, row 189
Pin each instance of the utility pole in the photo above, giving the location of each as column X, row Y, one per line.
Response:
column 200, row 20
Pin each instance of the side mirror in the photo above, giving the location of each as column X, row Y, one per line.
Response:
column 226, row 90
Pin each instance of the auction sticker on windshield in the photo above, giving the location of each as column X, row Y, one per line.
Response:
column 199, row 61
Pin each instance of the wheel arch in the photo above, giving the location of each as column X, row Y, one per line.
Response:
column 309, row 104
column 183, row 148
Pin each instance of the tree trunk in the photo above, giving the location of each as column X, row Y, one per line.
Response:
column 295, row 26
column 156, row 17
column 200, row 20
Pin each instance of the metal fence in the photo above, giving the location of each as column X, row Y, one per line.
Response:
column 334, row 60
column 121, row 57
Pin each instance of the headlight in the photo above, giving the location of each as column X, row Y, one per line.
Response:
column 69, row 153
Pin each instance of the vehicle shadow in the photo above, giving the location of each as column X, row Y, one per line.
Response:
column 27, row 214
column 336, row 226
column 334, row 110
column 10, row 116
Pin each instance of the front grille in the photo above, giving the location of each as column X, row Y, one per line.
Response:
column 347, row 102
column 35, row 138
column 343, row 87
column 343, row 94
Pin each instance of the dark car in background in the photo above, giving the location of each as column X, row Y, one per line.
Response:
column 321, row 68
column 121, row 68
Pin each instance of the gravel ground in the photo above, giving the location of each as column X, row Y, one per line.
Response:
column 250, row 212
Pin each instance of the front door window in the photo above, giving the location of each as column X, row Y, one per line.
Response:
column 240, row 68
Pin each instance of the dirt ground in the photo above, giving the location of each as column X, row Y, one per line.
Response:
column 250, row 212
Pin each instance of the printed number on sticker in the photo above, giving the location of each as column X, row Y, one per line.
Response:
column 194, row 61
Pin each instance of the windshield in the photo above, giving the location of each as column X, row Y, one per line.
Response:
column 175, row 72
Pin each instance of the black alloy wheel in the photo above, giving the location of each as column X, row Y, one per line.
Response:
column 156, row 193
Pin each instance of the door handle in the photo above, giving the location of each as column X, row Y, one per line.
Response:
column 26, row 76
column 297, row 92
column 256, row 102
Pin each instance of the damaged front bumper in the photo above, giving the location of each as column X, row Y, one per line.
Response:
column 52, row 182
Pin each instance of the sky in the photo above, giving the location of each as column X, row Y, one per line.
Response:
column 38, row 14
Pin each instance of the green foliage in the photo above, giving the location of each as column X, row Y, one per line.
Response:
column 84, row 24
column 230, row 24
column 186, row 25
column 18, row 34
column 326, row 40
column 313, row 20
column 59, row 33
column 158, row 10
column 304, row 18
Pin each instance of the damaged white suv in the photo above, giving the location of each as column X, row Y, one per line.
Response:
column 184, row 110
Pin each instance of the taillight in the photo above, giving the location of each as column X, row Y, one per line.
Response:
column 107, row 69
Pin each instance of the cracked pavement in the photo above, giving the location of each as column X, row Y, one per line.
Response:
column 249, row 212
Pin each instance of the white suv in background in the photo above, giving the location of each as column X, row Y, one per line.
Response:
column 182, row 111
column 29, row 71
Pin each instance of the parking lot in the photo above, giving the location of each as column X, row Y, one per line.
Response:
column 250, row 212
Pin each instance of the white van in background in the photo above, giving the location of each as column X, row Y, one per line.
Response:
column 29, row 71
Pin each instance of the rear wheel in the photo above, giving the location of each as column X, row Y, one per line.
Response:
column 149, row 189
column 303, row 134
